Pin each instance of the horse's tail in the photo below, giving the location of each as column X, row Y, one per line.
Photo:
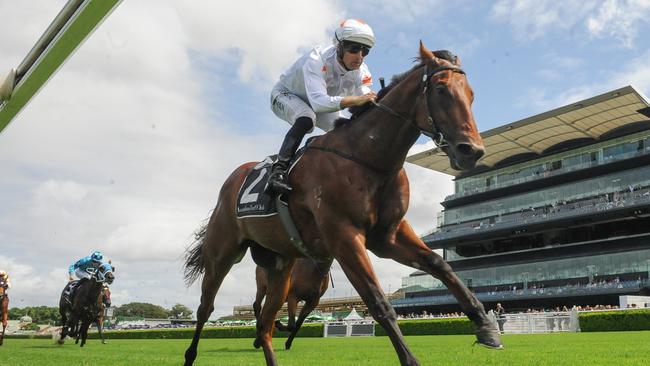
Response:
column 194, row 264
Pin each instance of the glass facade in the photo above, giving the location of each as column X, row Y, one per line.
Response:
column 603, row 153
column 598, row 265
column 574, row 191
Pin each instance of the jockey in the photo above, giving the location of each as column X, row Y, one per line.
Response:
column 4, row 279
column 80, row 267
column 320, row 84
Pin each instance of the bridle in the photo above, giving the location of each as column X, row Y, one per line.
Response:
column 435, row 133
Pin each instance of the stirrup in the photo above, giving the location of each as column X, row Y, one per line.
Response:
column 277, row 183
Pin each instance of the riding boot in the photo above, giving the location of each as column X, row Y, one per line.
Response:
column 277, row 181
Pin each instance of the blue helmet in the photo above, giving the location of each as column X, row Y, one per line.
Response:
column 97, row 256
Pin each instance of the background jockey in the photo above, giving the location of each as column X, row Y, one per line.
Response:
column 319, row 85
column 80, row 267
column 4, row 278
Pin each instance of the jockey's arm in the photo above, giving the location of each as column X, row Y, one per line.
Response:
column 354, row 100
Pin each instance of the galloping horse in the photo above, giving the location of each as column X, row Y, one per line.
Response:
column 350, row 194
column 103, row 302
column 309, row 281
column 4, row 309
column 83, row 306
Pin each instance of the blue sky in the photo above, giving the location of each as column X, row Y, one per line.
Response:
column 124, row 150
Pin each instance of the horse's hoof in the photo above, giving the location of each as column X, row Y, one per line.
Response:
column 60, row 341
column 287, row 346
column 104, row 342
column 488, row 336
column 256, row 343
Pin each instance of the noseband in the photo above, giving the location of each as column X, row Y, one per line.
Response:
column 435, row 134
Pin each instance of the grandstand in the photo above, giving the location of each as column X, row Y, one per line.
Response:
column 556, row 214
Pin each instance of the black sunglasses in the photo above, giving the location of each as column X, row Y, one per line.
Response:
column 355, row 48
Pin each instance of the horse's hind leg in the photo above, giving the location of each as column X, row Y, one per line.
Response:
column 276, row 294
column 215, row 272
column 307, row 308
column 292, row 307
column 260, row 279
column 357, row 266
column 409, row 250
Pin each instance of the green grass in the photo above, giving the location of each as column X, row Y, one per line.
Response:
column 612, row 348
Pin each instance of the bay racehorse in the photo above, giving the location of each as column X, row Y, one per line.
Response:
column 309, row 281
column 79, row 311
column 103, row 302
column 350, row 194
column 4, row 309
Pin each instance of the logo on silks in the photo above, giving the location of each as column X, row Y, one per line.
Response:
column 252, row 200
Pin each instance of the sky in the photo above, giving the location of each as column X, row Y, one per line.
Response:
column 124, row 150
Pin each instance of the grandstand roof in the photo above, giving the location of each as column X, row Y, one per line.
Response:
column 586, row 120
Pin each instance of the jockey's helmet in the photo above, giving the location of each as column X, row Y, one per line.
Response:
column 3, row 273
column 97, row 256
column 354, row 30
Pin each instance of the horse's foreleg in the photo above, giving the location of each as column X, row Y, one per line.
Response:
column 83, row 332
column 307, row 308
column 409, row 250
column 357, row 266
column 100, row 330
column 4, row 307
column 276, row 295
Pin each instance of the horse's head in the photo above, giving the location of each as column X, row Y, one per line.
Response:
column 448, row 106
column 104, row 273
column 106, row 296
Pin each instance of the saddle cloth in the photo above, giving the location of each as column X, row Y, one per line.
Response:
column 252, row 199
column 69, row 289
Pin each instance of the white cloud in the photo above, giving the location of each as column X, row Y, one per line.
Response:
column 636, row 72
column 619, row 19
column 531, row 19
column 121, row 150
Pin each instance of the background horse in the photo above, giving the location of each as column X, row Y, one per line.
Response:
column 4, row 309
column 350, row 194
column 83, row 305
column 309, row 281
column 103, row 302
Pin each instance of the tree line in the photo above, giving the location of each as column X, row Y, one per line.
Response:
column 50, row 315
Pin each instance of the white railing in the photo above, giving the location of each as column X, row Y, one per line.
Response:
column 528, row 323
column 349, row 328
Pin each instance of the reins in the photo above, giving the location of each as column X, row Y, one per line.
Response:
column 435, row 134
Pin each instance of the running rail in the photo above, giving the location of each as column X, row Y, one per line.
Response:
column 74, row 23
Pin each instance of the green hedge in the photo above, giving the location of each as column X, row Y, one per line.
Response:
column 307, row 330
column 615, row 321
column 431, row 327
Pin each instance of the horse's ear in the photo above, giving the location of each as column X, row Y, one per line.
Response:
column 457, row 61
column 425, row 53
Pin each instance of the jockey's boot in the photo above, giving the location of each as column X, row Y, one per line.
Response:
column 279, row 172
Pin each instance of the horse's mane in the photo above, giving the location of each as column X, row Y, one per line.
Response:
column 357, row 111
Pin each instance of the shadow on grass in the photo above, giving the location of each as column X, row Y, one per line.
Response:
column 235, row 350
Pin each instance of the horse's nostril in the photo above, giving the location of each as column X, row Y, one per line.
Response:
column 465, row 149
column 479, row 154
